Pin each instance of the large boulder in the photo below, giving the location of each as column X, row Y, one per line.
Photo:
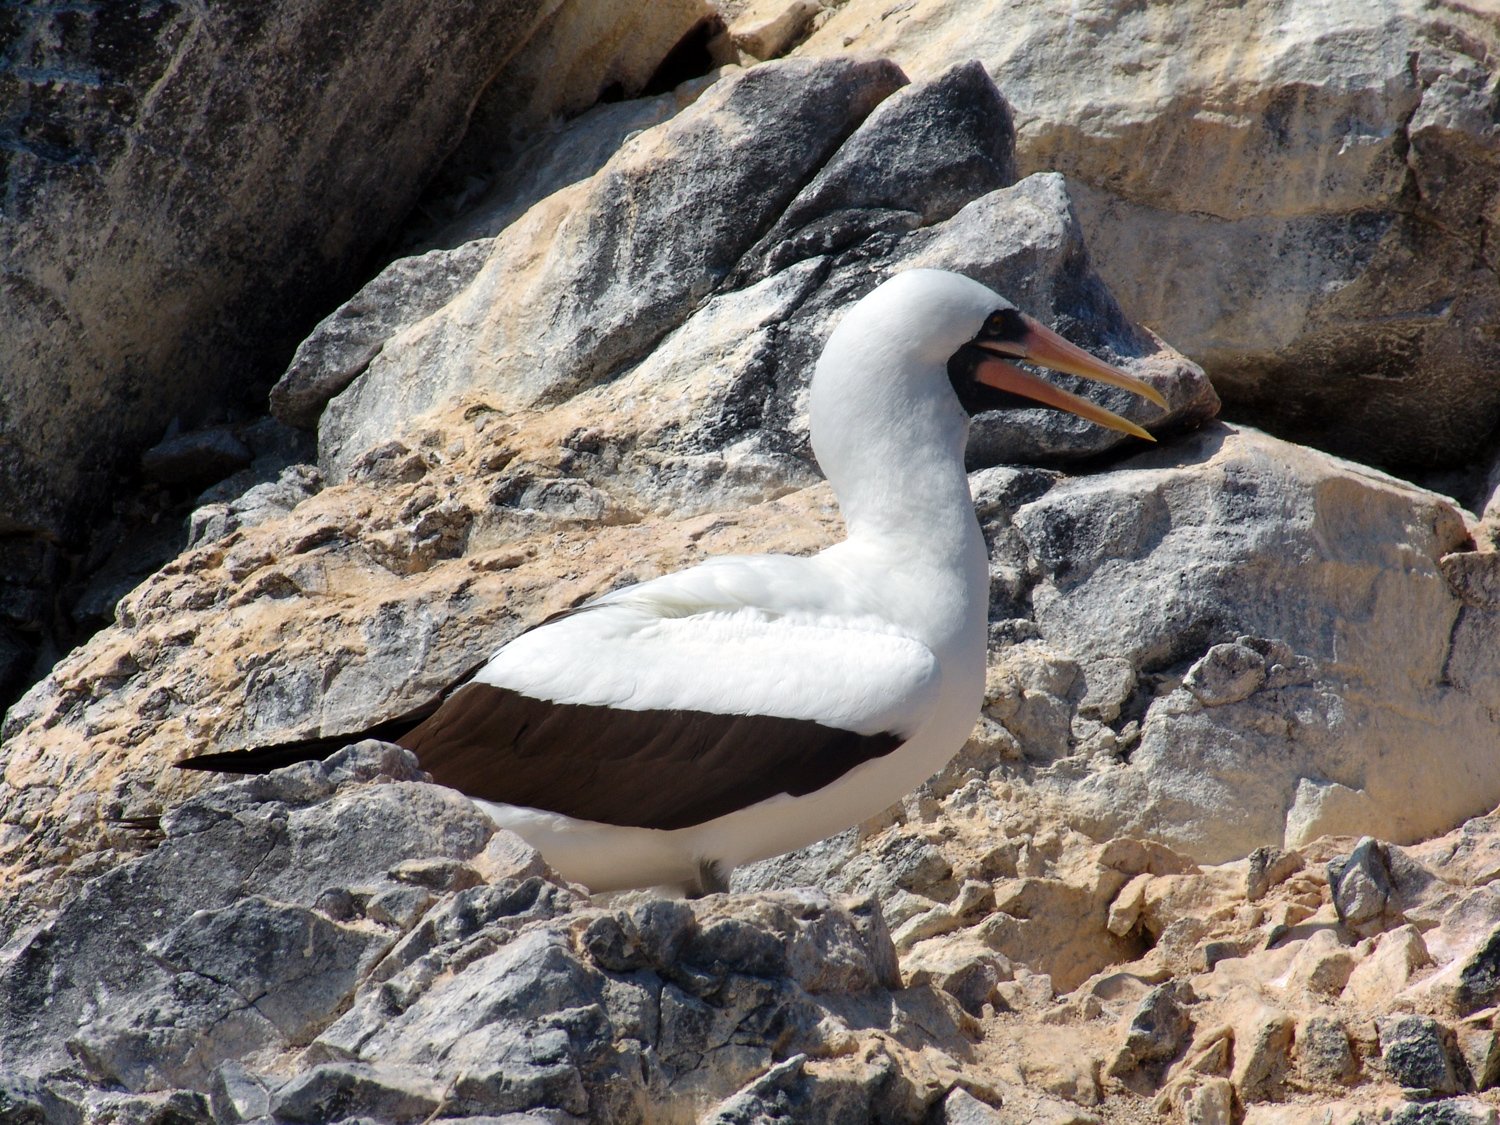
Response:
column 188, row 187
column 1237, row 642
column 1299, row 196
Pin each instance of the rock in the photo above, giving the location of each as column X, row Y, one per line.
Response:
column 1450, row 1111
column 1268, row 867
column 256, row 505
column 1361, row 885
column 1226, row 673
column 1478, row 984
column 1262, row 1046
column 1158, row 1032
column 1273, row 239
column 1377, row 980
column 372, row 975
column 934, row 146
column 1322, row 1051
column 242, row 167
column 336, row 1090
column 1146, row 529
column 343, row 344
column 178, row 990
column 962, row 1108
column 967, row 972
column 1206, row 1101
column 694, row 173
column 1322, row 967
column 1420, row 1054
column 196, row 458
column 1479, row 1045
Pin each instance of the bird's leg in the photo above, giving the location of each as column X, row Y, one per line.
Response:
column 713, row 879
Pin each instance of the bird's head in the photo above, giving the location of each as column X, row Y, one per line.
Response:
column 926, row 320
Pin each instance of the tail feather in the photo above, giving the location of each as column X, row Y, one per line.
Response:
column 264, row 759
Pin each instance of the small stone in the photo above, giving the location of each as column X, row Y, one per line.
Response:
column 1480, row 1047
column 196, row 458
column 1451, row 1111
column 1268, row 867
column 1323, row 1051
column 1262, row 1042
column 441, row 875
column 1419, row 1054
column 966, row 970
column 1377, row 980
column 1226, row 673
column 1026, row 991
column 334, row 1091
column 1479, row 978
column 1198, row 1100
column 962, row 1108
column 1322, row 966
column 1125, row 910
column 1159, row 1031
column 1362, row 886
column 236, row 1095
column 399, row 907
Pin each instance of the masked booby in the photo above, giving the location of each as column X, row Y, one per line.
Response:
column 666, row 732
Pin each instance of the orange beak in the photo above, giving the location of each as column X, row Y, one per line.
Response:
column 1046, row 348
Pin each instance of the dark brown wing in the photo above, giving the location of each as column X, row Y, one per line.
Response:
column 649, row 769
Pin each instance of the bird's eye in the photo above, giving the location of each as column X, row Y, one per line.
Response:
column 1003, row 324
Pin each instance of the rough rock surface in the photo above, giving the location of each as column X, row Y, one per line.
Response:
column 1302, row 197
column 343, row 940
column 185, row 188
column 446, row 532
column 1177, row 873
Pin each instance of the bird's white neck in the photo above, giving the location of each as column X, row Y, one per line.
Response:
column 894, row 456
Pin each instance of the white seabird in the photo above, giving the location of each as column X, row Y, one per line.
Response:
column 667, row 732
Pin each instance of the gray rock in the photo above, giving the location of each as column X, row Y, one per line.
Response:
column 196, row 458
column 1159, row 1031
column 334, row 1091
column 200, row 170
column 1362, row 887
column 1479, row 977
column 1156, row 566
column 1449, row 1111
column 1421, row 1054
column 694, row 191
column 258, row 503
column 133, row 934
column 24, row 1101
column 1323, row 1051
column 1268, row 867
column 962, row 1108
column 921, row 155
column 343, row 344
column 236, row 1095
column 1226, row 673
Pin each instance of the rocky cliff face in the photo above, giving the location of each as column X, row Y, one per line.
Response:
column 1218, row 847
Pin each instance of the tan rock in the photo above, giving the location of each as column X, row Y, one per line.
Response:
column 1321, row 968
column 1125, row 910
column 966, row 969
column 1323, row 1052
column 1262, row 1044
column 1261, row 154
column 1198, row 1100
column 1055, row 1061
column 1377, row 980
